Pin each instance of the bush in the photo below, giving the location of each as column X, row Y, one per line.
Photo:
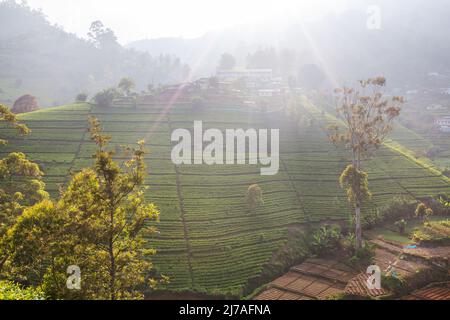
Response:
column 433, row 233
column 26, row 103
column 421, row 210
column 126, row 85
column 325, row 240
column 81, row 97
column 440, row 205
column 105, row 97
column 12, row 291
column 428, row 213
column 401, row 225
column 254, row 197
column 294, row 252
column 394, row 284
column 400, row 207
column 362, row 258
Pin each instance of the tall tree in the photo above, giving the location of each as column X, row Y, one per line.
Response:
column 126, row 85
column 20, row 181
column 265, row 58
column 99, row 224
column 102, row 37
column 227, row 62
column 367, row 117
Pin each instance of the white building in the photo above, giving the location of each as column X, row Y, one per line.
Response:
column 252, row 76
column 443, row 124
column 435, row 107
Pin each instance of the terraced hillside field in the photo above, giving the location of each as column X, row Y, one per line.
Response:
column 208, row 242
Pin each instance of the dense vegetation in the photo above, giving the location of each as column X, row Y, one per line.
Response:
column 34, row 56
column 208, row 240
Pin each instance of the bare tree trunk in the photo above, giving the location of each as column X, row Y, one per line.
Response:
column 112, row 270
column 358, row 231
column 112, row 273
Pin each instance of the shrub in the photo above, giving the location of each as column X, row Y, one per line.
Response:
column 435, row 233
column 358, row 258
column 325, row 240
column 26, row 103
column 421, row 210
column 440, row 205
column 370, row 220
column 126, row 85
column 81, row 97
column 105, row 97
column 401, row 225
column 428, row 213
column 254, row 197
column 361, row 258
column 399, row 207
column 394, row 284
column 12, row 291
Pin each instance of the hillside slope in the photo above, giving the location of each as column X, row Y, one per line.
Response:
column 208, row 242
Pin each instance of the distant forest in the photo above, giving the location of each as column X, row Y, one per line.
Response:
column 412, row 41
column 42, row 59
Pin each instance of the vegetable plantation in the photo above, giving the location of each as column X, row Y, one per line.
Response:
column 208, row 241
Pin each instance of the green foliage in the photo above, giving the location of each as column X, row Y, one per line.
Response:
column 435, row 232
column 105, row 97
column 428, row 213
column 20, row 180
column 398, row 207
column 362, row 257
column 325, row 240
column 254, row 197
column 20, row 186
column 421, row 210
column 11, row 120
column 81, row 97
column 103, row 37
column 12, row 291
column 294, row 252
column 126, row 85
column 356, row 183
column 100, row 223
column 214, row 211
column 394, row 284
column 401, row 225
column 367, row 120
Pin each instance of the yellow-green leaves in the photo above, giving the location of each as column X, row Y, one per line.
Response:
column 254, row 197
column 356, row 183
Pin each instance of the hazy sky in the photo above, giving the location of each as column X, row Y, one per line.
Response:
column 138, row 19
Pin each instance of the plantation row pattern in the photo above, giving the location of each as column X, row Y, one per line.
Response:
column 208, row 242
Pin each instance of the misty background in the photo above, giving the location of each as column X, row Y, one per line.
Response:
column 323, row 48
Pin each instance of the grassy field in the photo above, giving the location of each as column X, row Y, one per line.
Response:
column 208, row 242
